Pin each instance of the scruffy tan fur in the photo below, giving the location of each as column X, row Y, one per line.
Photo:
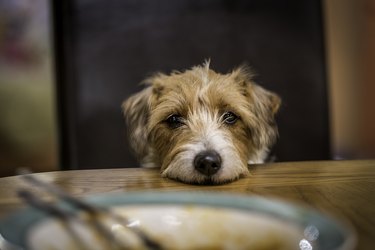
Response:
column 201, row 98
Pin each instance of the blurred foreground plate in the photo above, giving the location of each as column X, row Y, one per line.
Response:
column 181, row 220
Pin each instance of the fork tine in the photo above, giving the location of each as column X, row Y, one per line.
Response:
column 36, row 202
column 94, row 211
column 52, row 189
column 65, row 216
column 54, row 211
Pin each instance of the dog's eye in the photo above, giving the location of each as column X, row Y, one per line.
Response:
column 230, row 118
column 174, row 121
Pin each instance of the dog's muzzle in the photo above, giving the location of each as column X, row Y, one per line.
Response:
column 207, row 162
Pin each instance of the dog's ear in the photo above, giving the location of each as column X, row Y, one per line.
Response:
column 136, row 110
column 264, row 106
column 268, row 102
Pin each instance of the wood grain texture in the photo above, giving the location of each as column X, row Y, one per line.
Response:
column 343, row 189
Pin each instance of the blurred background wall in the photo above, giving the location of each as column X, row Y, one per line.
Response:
column 350, row 50
column 28, row 127
column 27, row 106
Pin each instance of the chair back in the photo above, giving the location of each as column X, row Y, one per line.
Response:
column 105, row 48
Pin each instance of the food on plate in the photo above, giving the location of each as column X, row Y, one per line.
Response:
column 174, row 227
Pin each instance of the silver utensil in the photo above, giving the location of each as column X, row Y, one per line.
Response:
column 95, row 214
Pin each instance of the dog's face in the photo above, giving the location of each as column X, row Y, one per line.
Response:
column 199, row 126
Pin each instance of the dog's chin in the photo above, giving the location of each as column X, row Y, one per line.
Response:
column 200, row 179
column 209, row 181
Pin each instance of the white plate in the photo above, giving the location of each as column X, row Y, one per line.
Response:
column 189, row 221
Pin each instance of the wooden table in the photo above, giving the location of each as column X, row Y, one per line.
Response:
column 344, row 189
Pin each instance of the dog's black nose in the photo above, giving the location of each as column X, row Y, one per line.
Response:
column 207, row 162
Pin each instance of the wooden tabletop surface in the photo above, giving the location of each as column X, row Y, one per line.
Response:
column 344, row 189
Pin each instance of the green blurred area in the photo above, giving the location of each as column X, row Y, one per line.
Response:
column 27, row 105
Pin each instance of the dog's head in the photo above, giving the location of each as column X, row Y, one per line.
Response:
column 200, row 126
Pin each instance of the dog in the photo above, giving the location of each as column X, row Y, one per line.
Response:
column 199, row 126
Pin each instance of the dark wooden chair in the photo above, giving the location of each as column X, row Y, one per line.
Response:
column 103, row 49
